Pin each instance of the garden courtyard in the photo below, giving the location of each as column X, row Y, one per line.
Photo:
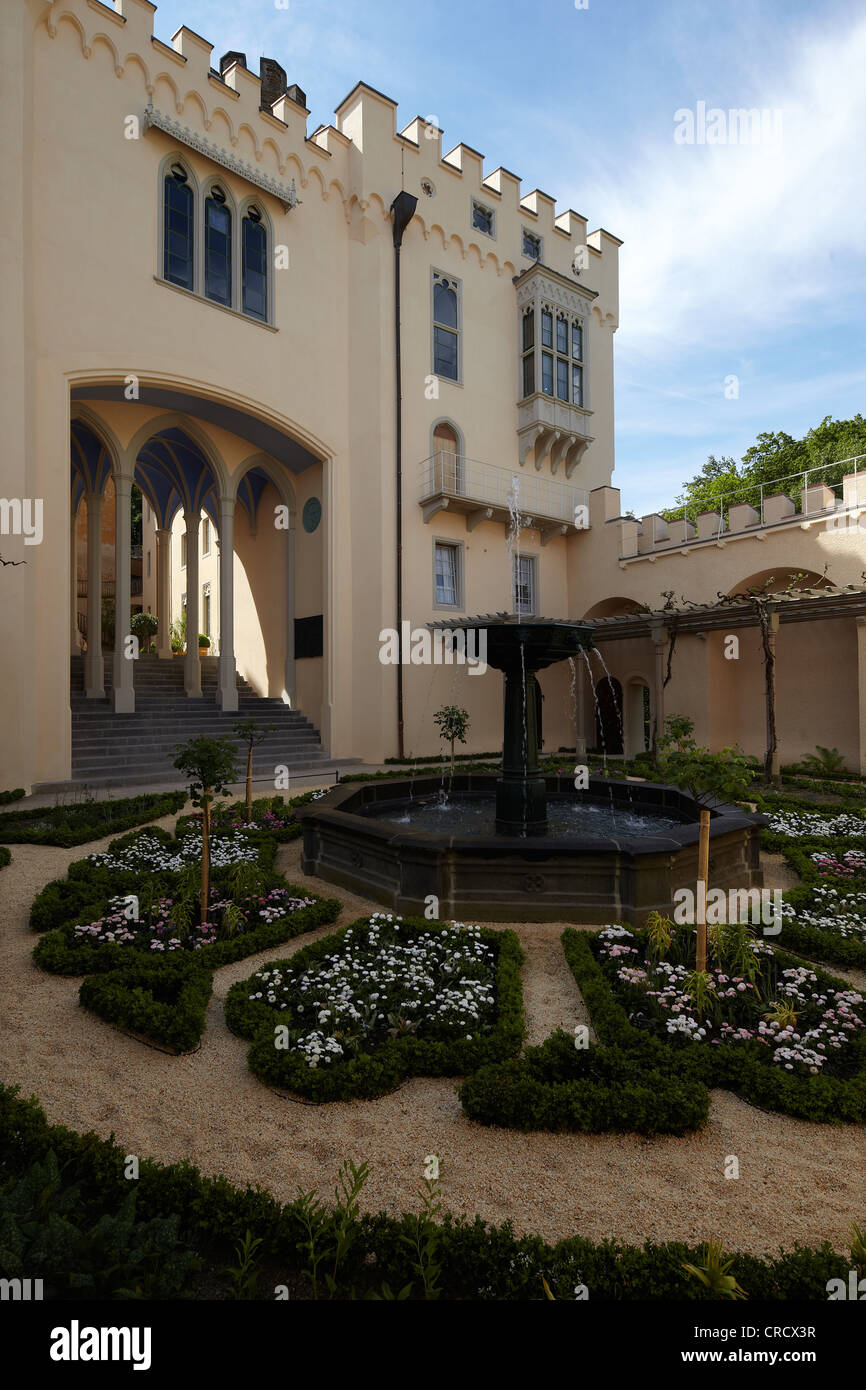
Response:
column 171, row 1080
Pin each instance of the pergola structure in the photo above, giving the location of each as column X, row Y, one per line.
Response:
column 664, row 625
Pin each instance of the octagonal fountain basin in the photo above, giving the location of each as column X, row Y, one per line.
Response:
column 613, row 852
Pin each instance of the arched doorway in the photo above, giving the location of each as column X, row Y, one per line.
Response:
column 447, row 458
column 608, row 715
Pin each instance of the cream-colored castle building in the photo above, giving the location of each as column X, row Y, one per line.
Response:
column 201, row 302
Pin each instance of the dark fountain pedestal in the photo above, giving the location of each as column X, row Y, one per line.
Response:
column 518, row 648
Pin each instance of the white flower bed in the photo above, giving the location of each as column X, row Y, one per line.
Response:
column 375, row 985
column 148, row 854
column 810, row 825
column 832, row 910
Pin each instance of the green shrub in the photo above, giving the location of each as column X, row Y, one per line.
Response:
column 49, row 1234
column 476, row 1261
column 5, row 857
column 594, row 1090
column 165, row 999
column 88, row 820
column 16, row 795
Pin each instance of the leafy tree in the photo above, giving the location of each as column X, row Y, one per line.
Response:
column 144, row 626
column 252, row 734
column 209, row 765
column 774, row 455
column 453, row 724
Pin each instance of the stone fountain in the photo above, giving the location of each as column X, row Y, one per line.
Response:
column 522, row 846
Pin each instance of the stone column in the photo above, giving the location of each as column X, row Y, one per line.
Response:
column 661, row 639
column 192, row 665
column 73, row 584
column 94, row 671
column 163, row 592
column 580, row 738
column 861, row 689
column 289, row 594
column 124, row 686
column 227, row 688
column 772, row 633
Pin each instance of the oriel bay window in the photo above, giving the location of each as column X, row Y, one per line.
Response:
column 560, row 348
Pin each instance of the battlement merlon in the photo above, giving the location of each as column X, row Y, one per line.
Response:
column 366, row 125
column 369, row 118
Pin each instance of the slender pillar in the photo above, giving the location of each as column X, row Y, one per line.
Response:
column 661, row 639
column 124, row 665
column 73, row 584
column 227, row 687
column 94, row 670
column 163, row 592
column 192, row 665
column 580, row 708
column 289, row 591
column 861, row 689
column 772, row 760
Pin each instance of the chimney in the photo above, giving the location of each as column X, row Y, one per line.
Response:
column 231, row 57
column 295, row 94
column 273, row 79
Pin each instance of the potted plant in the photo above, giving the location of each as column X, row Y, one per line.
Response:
column 178, row 636
column 145, row 627
column 203, row 644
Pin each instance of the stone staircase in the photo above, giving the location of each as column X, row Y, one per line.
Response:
column 111, row 749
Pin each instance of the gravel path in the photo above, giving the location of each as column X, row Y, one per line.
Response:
column 799, row 1181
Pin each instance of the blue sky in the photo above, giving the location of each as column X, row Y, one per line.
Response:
column 740, row 260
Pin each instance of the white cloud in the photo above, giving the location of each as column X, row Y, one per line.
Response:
column 724, row 241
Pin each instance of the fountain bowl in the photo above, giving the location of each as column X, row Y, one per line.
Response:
column 592, row 879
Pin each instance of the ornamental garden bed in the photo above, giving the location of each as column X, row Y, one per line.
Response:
column 87, row 820
column 830, row 827
column 133, row 915
column 271, row 816
column 760, row 1023
column 354, row 1013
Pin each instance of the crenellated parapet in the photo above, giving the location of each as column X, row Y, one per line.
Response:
column 259, row 121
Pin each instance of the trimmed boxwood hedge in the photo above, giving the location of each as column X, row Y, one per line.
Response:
column 371, row 1073
column 593, row 1090
column 478, row 1261
column 165, row 999
column 89, row 820
column 740, row 1068
column 5, row 857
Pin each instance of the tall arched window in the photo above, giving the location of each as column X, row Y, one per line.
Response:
column 177, row 260
column 254, row 266
column 217, row 247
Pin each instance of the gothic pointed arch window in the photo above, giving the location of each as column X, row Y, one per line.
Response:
column 254, row 265
column 178, row 223
column 218, row 247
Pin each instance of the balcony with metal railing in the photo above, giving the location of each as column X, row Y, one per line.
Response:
column 483, row 491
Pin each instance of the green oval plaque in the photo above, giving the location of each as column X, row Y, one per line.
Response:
column 312, row 514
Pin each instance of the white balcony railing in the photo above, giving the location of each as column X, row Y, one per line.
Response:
column 473, row 483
